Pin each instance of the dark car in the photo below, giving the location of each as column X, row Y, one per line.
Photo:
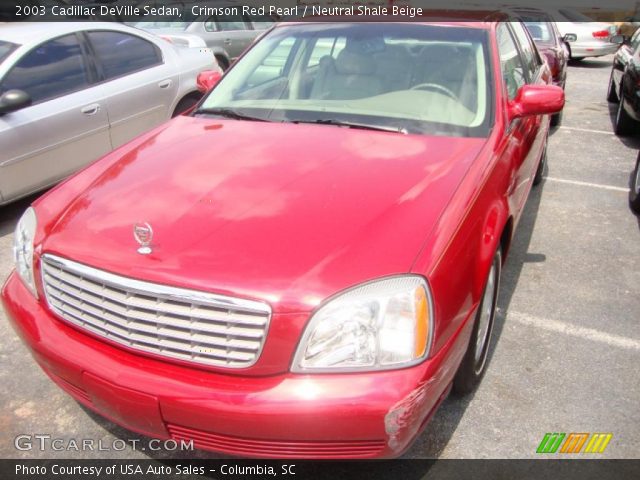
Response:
column 624, row 85
column 550, row 43
column 634, row 193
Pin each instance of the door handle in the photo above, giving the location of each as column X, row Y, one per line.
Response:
column 91, row 109
column 227, row 41
column 165, row 83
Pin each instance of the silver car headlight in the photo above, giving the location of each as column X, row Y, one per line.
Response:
column 23, row 248
column 380, row 325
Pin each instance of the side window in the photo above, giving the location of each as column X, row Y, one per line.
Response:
column 540, row 31
column 531, row 59
column 53, row 69
column 230, row 22
column 210, row 24
column 121, row 53
column 261, row 22
column 510, row 61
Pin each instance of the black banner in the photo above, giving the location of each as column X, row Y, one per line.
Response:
column 303, row 470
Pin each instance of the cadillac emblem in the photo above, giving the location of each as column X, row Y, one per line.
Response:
column 143, row 233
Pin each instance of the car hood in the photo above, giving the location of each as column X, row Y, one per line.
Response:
column 285, row 213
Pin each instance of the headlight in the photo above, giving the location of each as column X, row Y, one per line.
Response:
column 23, row 248
column 377, row 326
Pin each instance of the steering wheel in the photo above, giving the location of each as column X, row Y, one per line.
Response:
column 437, row 87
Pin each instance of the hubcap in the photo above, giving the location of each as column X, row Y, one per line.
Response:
column 484, row 322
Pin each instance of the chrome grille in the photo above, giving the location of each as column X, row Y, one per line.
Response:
column 183, row 324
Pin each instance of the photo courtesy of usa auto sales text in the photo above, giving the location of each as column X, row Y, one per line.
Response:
column 136, row 469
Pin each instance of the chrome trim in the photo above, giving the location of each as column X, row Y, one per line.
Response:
column 198, row 327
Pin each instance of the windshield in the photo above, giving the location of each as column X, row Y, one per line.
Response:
column 5, row 49
column 405, row 77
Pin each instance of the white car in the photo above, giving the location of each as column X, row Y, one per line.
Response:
column 72, row 92
column 592, row 39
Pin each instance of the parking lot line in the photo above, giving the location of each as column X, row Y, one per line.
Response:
column 588, row 184
column 584, row 333
column 587, row 130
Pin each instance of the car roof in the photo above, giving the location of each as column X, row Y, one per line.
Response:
column 33, row 33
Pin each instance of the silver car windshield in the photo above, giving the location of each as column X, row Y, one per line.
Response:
column 430, row 79
column 5, row 49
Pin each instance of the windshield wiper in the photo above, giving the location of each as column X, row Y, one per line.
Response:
column 362, row 126
column 229, row 113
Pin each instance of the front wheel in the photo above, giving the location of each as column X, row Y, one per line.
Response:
column 556, row 119
column 612, row 96
column 624, row 123
column 541, row 166
column 634, row 193
column 474, row 362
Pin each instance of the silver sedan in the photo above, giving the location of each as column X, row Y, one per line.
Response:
column 583, row 36
column 72, row 92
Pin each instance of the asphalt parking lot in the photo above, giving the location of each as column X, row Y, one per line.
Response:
column 566, row 342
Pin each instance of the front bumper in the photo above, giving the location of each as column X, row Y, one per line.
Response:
column 367, row 415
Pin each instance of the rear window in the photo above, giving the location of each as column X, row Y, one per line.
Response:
column 5, row 49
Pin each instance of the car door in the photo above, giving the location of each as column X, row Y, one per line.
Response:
column 520, row 65
column 630, row 84
column 139, row 79
column 533, row 127
column 64, row 128
column 623, row 57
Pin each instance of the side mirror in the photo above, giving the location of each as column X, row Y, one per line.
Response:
column 570, row 37
column 619, row 39
column 536, row 100
column 207, row 80
column 13, row 100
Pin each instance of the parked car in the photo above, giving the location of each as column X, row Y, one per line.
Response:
column 70, row 93
column 550, row 43
column 303, row 266
column 634, row 192
column 227, row 35
column 624, row 85
column 593, row 39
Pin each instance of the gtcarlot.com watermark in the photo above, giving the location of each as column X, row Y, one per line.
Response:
column 47, row 443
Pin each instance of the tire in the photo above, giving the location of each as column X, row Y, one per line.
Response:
column 185, row 104
column 612, row 96
column 222, row 62
column 624, row 123
column 634, row 192
column 556, row 119
column 541, row 166
column 474, row 362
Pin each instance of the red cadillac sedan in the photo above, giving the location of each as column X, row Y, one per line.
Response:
column 307, row 263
